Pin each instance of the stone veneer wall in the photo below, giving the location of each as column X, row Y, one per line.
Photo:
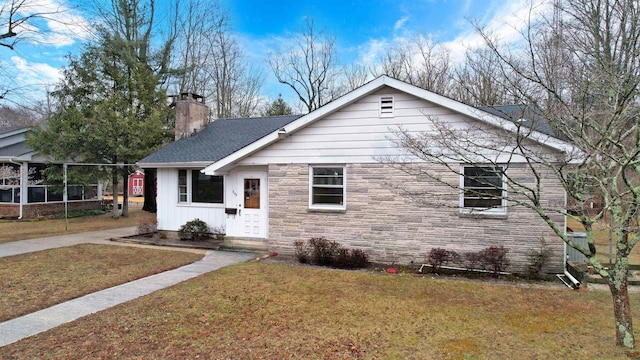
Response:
column 391, row 229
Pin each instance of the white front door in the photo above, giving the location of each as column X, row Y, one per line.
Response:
column 251, row 218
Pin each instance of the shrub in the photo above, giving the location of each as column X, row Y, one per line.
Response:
column 439, row 257
column 302, row 251
column 538, row 260
column 494, row 259
column 323, row 251
column 472, row 260
column 195, row 230
column 320, row 251
column 351, row 259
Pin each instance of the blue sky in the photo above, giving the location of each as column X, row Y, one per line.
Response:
column 362, row 29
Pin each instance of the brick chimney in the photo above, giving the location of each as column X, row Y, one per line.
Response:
column 192, row 115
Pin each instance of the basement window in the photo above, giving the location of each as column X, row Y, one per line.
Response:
column 386, row 106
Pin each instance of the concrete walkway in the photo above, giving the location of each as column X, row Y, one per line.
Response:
column 34, row 323
column 91, row 237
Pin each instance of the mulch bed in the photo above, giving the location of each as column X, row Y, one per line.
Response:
column 159, row 239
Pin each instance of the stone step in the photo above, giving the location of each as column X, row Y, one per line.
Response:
column 245, row 243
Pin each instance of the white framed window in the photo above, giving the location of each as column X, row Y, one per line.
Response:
column 196, row 187
column 483, row 189
column 386, row 106
column 327, row 187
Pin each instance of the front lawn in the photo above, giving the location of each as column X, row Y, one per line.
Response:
column 266, row 311
column 13, row 230
column 34, row 281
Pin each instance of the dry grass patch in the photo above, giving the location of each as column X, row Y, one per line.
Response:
column 13, row 230
column 261, row 311
column 35, row 281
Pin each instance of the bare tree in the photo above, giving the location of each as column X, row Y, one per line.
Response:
column 594, row 108
column 236, row 84
column 17, row 116
column 193, row 48
column 420, row 62
column 20, row 21
column 212, row 62
column 355, row 76
column 308, row 67
column 480, row 81
column 392, row 64
column 430, row 68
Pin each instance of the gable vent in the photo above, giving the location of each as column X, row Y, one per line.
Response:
column 386, row 106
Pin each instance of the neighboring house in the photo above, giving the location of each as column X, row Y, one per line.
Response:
column 271, row 181
column 22, row 192
column 136, row 183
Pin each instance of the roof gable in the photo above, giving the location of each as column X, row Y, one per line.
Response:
column 367, row 89
column 13, row 144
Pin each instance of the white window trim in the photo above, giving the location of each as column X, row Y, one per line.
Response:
column 189, row 201
column 342, row 207
column 501, row 211
column 387, row 113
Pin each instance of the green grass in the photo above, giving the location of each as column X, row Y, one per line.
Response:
column 262, row 311
column 35, row 281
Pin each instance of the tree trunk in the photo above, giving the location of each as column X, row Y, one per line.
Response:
column 125, row 191
column 114, row 190
column 618, row 283
column 150, row 204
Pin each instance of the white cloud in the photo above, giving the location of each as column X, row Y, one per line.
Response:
column 39, row 71
column 56, row 24
column 30, row 80
column 372, row 50
column 400, row 23
column 502, row 19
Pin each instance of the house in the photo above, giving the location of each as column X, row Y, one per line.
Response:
column 22, row 191
column 136, row 183
column 271, row 181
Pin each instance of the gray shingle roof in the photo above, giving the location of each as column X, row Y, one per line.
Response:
column 527, row 115
column 15, row 150
column 18, row 148
column 8, row 129
column 219, row 139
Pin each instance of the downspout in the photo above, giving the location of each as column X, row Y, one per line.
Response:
column 12, row 160
column 573, row 282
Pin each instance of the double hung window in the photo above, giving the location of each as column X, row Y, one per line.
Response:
column 327, row 187
column 483, row 188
